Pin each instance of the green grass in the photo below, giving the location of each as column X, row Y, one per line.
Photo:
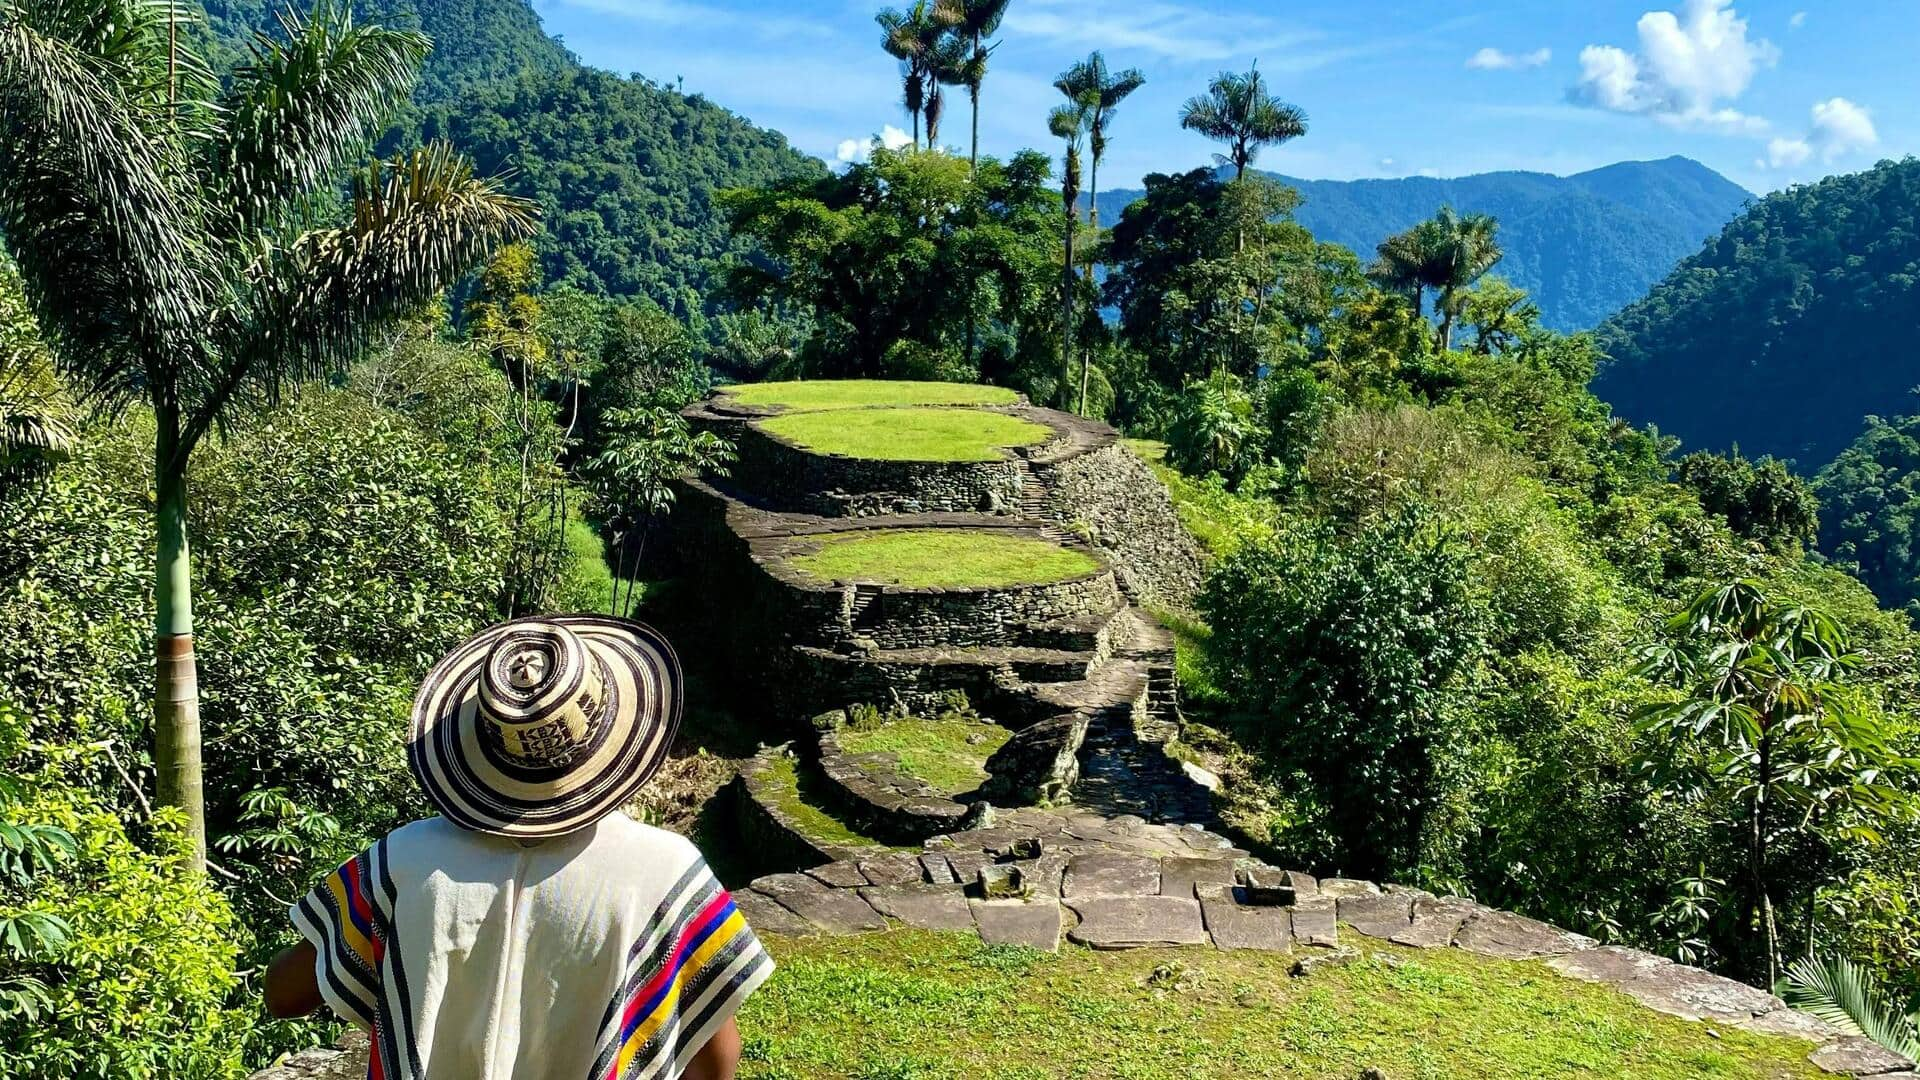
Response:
column 909, row 1004
column 943, row 558
column 949, row 754
column 790, row 794
column 851, row 393
column 908, row 434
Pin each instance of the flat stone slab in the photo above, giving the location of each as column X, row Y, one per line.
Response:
column 1043, row 876
column 1180, row 873
column 1791, row 1022
column 896, row 868
column 840, row 875
column 1377, row 916
column 1435, row 920
column 1693, row 994
column 1016, row 922
column 1108, row 874
column 1315, row 922
column 837, row 911
column 1508, row 936
column 1233, row 926
column 764, row 914
column 922, row 905
column 1855, row 1056
column 1133, row 922
column 1339, row 886
column 937, row 869
column 1611, row 964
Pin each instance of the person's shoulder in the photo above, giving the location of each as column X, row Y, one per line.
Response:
column 619, row 830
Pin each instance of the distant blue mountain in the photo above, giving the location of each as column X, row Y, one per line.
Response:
column 1584, row 245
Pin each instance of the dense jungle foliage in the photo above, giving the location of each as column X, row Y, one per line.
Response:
column 1785, row 330
column 1463, row 626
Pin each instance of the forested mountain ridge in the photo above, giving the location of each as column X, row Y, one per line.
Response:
column 1785, row 331
column 1583, row 246
column 475, row 42
column 623, row 168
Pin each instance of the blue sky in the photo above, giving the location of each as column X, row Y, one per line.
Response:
column 1768, row 93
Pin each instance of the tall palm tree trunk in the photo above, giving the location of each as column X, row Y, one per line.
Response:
column 176, row 704
column 1093, row 220
column 973, row 95
column 1066, row 315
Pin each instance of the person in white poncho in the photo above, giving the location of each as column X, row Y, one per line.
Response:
column 532, row 931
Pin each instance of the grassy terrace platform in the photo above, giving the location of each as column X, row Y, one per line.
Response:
column 949, row 754
column 817, row 823
column 943, row 558
column 911, row 1005
column 896, row 434
column 859, row 393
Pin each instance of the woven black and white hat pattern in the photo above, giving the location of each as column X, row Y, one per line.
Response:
column 542, row 726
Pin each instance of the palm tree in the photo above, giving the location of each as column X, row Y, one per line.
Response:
column 1238, row 110
column 1447, row 253
column 167, row 231
column 913, row 37
column 1410, row 261
column 974, row 21
column 34, row 415
column 949, row 63
column 1069, row 123
column 1101, row 90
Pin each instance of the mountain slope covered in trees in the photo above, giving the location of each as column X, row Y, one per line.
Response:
column 1583, row 246
column 623, row 168
column 1784, row 332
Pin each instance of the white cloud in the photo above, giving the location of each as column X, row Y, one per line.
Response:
column 1689, row 67
column 1798, row 20
column 1839, row 127
column 1491, row 59
column 852, row 150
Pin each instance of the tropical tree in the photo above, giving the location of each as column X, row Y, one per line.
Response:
column 1237, row 110
column 950, row 62
column 917, row 37
column 35, row 428
column 974, row 21
column 1448, row 253
column 170, row 233
column 1102, row 89
column 1069, row 124
column 1765, row 722
column 646, row 449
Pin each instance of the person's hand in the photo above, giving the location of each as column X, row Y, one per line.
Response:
column 291, row 987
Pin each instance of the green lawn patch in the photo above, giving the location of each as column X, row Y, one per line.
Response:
column 851, row 393
column 943, row 558
column 908, row 434
column 910, row 1004
column 791, row 791
column 949, row 754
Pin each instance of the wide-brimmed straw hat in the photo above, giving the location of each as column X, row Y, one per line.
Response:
column 541, row 726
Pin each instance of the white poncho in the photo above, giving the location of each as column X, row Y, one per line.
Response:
column 606, row 954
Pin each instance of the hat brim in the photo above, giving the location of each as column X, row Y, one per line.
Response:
column 471, row 787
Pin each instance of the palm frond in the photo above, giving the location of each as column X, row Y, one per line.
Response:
column 418, row 223
column 94, row 201
column 1836, row 990
column 299, row 108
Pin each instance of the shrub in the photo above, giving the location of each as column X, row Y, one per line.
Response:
column 139, row 983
